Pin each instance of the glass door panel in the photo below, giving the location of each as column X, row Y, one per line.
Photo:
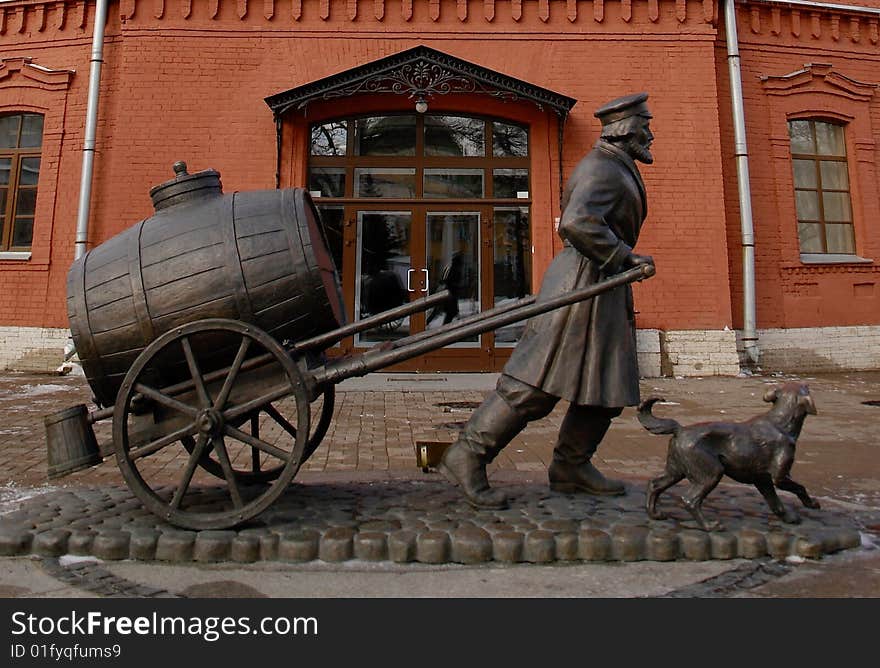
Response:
column 383, row 271
column 453, row 262
column 512, row 266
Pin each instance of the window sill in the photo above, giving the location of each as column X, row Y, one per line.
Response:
column 15, row 255
column 833, row 258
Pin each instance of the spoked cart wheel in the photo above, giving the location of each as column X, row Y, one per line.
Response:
column 173, row 397
column 251, row 470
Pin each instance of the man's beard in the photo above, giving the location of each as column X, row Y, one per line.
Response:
column 639, row 152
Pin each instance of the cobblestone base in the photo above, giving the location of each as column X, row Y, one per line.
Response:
column 428, row 522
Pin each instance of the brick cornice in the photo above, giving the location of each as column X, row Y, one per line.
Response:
column 575, row 11
column 41, row 16
column 837, row 26
column 37, row 15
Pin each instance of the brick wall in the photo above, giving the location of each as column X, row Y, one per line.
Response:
column 838, row 57
column 186, row 80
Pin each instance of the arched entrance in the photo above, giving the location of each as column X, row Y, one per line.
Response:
column 418, row 194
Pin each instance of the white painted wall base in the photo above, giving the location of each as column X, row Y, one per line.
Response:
column 699, row 353
column 648, row 349
column 671, row 353
column 35, row 349
column 819, row 349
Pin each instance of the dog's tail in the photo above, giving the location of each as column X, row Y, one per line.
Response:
column 653, row 424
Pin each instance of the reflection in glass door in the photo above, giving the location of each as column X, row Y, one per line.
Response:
column 415, row 203
column 383, row 271
column 453, row 261
column 512, row 271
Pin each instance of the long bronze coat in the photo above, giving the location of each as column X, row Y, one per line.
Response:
column 586, row 353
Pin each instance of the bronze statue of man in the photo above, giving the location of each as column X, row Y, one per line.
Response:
column 584, row 353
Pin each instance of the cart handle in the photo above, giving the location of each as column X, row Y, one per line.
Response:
column 327, row 339
column 337, row 371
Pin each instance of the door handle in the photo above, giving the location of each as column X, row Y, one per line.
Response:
column 409, row 287
column 427, row 281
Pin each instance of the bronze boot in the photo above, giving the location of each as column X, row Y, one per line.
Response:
column 492, row 426
column 583, row 477
column 468, row 470
column 571, row 470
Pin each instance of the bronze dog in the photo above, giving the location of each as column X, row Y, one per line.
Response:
column 759, row 451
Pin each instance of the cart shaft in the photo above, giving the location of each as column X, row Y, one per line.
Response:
column 335, row 372
column 323, row 341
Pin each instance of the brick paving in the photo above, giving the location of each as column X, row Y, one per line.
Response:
column 367, row 460
column 374, row 432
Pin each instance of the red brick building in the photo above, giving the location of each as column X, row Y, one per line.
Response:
column 440, row 129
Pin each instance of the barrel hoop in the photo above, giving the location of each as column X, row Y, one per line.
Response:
column 283, row 306
column 173, row 238
column 300, row 246
column 198, row 309
column 308, row 210
column 235, row 270
column 138, row 294
column 86, row 340
column 302, row 224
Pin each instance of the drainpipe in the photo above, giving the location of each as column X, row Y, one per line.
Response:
column 85, row 188
column 750, row 333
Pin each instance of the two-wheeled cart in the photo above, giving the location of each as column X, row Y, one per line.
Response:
column 202, row 331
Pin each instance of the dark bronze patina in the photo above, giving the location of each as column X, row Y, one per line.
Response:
column 195, row 325
column 584, row 353
column 257, row 257
column 759, row 451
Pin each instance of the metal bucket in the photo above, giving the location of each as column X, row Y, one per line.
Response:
column 70, row 441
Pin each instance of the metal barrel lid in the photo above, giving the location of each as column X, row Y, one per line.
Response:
column 185, row 187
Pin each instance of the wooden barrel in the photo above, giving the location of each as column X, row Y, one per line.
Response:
column 259, row 257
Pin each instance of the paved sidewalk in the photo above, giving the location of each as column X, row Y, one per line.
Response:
column 372, row 438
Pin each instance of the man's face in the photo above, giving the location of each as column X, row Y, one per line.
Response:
column 639, row 143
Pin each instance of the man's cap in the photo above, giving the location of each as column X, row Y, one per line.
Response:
column 623, row 107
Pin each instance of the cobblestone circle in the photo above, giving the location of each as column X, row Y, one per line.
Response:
column 424, row 521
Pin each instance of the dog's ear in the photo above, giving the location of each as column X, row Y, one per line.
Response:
column 809, row 404
column 771, row 395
